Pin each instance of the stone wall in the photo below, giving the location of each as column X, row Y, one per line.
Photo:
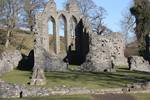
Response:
column 99, row 56
column 46, row 60
column 105, row 52
column 8, row 90
column 43, row 61
column 118, row 48
column 50, row 13
column 9, row 60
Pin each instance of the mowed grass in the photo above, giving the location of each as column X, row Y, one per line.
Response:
column 81, row 79
column 96, row 80
column 17, row 77
column 142, row 96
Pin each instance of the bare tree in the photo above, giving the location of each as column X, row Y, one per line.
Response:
column 86, row 7
column 127, row 25
column 92, row 14
column 95, row 15
column 31, row 7
column 97, row 20
column 9, row 16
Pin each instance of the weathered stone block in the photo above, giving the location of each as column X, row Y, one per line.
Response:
column 105, row 52
column 99, row 56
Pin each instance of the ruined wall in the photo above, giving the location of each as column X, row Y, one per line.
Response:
column 56, row 61
column 50, row 13
column 98, row 58
column 105, row 53
column 118, row 47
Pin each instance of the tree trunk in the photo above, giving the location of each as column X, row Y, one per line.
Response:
column 7, row 38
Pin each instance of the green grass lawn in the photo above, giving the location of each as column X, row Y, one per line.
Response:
column 144, row 96
column 17, row 77
column 80, row 79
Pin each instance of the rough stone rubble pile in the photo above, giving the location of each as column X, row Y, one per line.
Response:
column 139, row 64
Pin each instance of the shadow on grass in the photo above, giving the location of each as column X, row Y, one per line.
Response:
column 118, row 79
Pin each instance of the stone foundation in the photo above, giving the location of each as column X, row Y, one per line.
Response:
column 17, row 91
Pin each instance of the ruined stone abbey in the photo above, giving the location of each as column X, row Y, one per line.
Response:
column 82, row 47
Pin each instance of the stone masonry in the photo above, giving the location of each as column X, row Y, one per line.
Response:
column 54, row 61
column 118, row 47
column 105, row 52
column 50, row 12
column 98, row 58
column 38, row 77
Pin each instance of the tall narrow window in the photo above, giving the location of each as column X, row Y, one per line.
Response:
column 73, row 23
column 51, row 32
column 62, row 33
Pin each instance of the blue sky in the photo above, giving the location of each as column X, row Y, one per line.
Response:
column 114, row 10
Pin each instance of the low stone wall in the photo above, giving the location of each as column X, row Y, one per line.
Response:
column 8, row 90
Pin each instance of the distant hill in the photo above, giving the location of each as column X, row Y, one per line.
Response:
column 19, row 39
column 24, row 41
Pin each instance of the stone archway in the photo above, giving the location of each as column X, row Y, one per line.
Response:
column 52, row 34
column 62, row 31
column 73, row 24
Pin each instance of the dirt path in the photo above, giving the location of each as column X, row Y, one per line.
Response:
column 113, row 97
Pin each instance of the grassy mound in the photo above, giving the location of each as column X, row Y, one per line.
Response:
column 24, row 41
